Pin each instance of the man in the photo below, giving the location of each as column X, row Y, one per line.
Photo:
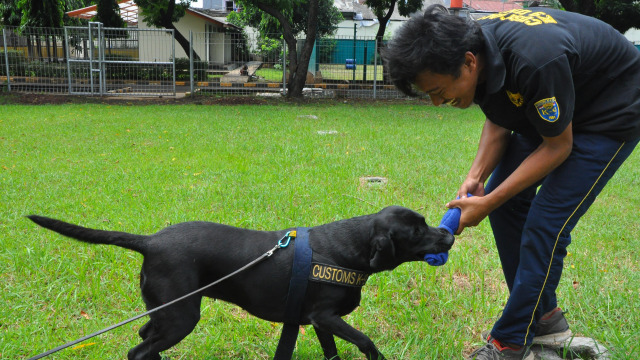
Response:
column 561, row 93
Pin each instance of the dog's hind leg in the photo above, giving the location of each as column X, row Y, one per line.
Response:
column 145, row 330
column 333, row 324
column 166, row 328
column 328, row 344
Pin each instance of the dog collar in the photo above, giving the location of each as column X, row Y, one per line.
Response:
column 337, row 275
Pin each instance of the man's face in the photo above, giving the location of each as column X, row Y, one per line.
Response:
column 446, row 89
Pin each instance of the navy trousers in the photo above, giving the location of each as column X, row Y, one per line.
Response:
column 533, row 229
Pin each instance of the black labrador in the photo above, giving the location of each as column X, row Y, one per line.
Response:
column 185, row 257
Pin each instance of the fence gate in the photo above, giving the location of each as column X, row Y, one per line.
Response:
column 120, row 61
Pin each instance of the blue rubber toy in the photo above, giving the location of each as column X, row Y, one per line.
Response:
column 450, row 222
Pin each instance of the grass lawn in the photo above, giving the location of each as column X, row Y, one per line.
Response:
column 141, row 168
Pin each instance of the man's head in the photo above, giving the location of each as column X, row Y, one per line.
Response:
column 435, row 50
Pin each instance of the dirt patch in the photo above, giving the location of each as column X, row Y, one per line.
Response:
column 57, row 99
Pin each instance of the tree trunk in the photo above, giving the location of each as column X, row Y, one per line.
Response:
column 382, row 26
column 297, row 67
column 168, row 24
column 300, row 75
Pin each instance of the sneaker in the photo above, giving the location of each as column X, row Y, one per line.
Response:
column 495, row 350
column 551, row 330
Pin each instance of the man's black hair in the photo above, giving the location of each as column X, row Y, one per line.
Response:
column 435, row 41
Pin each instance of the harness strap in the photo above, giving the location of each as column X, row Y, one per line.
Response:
column 295, row 298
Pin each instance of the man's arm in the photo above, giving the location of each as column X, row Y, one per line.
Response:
column 492, row 145
column 552, row 152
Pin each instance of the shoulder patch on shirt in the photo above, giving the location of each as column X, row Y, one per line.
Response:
column 516, row 98
column 548, row 109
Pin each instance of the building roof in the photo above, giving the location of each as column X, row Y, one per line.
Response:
column 216, row 16
column 128, row 12
column 491, row 5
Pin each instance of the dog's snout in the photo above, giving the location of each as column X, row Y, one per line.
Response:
column 449, row 239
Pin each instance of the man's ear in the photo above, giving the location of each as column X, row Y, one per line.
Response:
column 383, row 253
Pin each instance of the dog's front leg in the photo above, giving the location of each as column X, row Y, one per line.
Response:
column 333, row 324
column 328, row 344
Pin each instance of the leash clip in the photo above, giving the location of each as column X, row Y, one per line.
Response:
column 283, row 243
column 286, row 239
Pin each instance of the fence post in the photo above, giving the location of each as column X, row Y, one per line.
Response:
column 355, row 31
column 284, row 67
column 6, row 58
column 191, row 87
column 375, row 68
column 173, row 58
column 68, row 54
column 101, row 57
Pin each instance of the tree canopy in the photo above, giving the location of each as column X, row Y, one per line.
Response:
column 621, row 14
column 293, row 17
column 297, row 15
column 383, row 9
column 41, row 13
column 109, row 13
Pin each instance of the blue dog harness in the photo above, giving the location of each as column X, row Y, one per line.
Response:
column 302, row 271
column 297, row 290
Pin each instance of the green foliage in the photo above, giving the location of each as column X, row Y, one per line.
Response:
column 41, row 13
column 159, row 13
column 382, row 10
column 182, row 69
column 270, row 48
column 108, row 13
column 621, row 14
column 10, row 15
column 296, row 13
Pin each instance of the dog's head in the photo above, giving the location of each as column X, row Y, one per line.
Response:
column 399, row 235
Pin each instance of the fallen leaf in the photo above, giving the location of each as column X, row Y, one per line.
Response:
column 85, row 315
column 81, row 346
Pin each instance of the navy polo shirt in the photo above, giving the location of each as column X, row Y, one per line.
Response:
column 545, row 68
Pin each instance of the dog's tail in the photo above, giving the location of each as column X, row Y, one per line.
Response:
column 122, row 239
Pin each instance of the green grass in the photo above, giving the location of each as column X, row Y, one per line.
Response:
column 140, row 168
column 269, row 74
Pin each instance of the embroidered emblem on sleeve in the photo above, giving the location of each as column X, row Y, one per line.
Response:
column 516, row 98
column 548, row 109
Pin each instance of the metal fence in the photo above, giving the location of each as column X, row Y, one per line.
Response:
column 91, row 60
column 95, row 60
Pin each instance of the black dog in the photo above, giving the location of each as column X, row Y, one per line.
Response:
column 187, row 256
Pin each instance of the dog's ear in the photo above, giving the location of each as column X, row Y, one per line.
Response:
column 383, row 253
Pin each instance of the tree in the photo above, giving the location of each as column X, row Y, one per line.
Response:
column 383, row 9
column 621, row 14
column 40, row 14
column 108, row 13
column 292, row 17
column 10, row 15
column 163, row 14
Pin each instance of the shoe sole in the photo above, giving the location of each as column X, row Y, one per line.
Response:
column 556, row 339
